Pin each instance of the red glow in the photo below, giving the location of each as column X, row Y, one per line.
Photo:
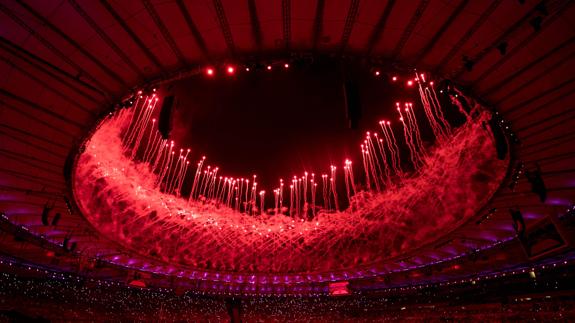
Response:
column 210, row 71
column 135, row 183
column 231, row 70
column 394, row 78
column 269, row 67
column 286, row 65
column 376, row 73
column 409, row 83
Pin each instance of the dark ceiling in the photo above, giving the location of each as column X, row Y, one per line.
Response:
column 64, row 62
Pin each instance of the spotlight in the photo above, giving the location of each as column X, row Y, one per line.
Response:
column 56, row 219
column 542, row 8
column 502, row 47
column 286, row 65
column 518, row 222
column 247, row 69
column 376, row 73
column 45, row 213
column 65, row 243
column 537, row 183
column 536, row 23
column 269, row 67
column 394, row 78
column 468, row 63
column 410, row 83
column 231, row 70
column 210, row 71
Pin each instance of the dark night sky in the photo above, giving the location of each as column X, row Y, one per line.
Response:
column 278, row 123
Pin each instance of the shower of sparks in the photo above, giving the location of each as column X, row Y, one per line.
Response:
column 134, row 183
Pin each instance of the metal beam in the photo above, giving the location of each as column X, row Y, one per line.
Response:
column 131, row 33
column 49, row 87
column 349, row 23
column 224, row 26
column 74, row 44
column 379, row 27
column 40, row 108
column 480, row 21
column 317, row 23
column 129, row 62
column 431, row 43
column 193, row 28
column 534, row 63
column 41, row 121
column 541, row 94
column 164, row 31
column 286, row 21
column 41, row 137
column 546, row 23
column 409, row 28
column 101, row 87
column 506, row 35
column 48, row 68
column 255, row 22
column 542, row 106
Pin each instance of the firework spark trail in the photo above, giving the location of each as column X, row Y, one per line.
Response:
column 163, row 145
column 182, row 178
column 149, row 141
column 313, row 192
column 196, row 178
column 143, row 127
column 152, row 142
column 435, row 127
column 408, row 139
column 281, row 192
column 392, row 145
column 438, row 109
column 365, row 167
column 370, row 162
column 380, row 175
column 326, row 204
column 214, row 178
column 181, row 173
column 305, row 189
column 173, row 171
column 276, row 200
column 131, row 121
column 262, row 199
column 221, row 190
column 164, row 167
column 134, row 119
column 413, row 120
column 247, row 181
column 291, row 209
column 333, row 187
column 413, row 131
column 346, row 178
column 381, row 150
column 204, row 181
column 172, row 187
column 166, row 174
column 207, row 184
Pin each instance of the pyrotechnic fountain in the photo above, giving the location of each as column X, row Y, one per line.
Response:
column 130, row 181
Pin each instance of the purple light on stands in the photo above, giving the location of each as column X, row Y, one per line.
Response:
column 557, row 201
